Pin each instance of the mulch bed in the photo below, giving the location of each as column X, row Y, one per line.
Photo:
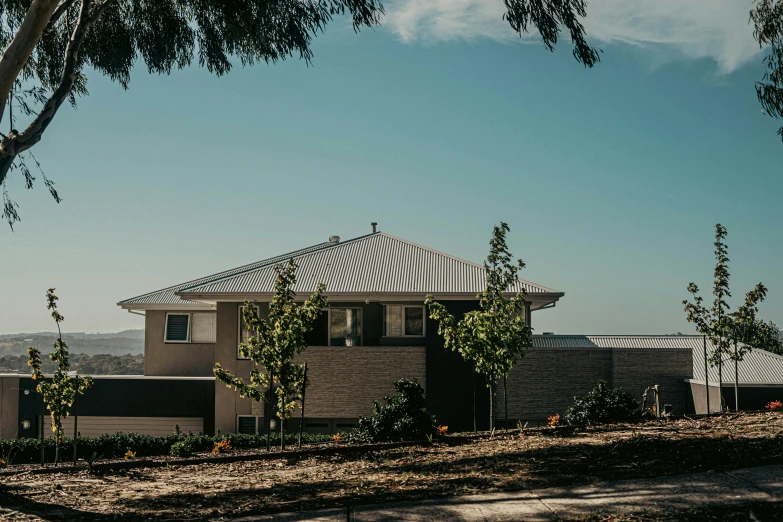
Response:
column 525, row 459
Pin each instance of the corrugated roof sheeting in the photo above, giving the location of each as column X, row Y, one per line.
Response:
column 168, row 295
column 378, row 263
column 615, row 341
column 757, row 367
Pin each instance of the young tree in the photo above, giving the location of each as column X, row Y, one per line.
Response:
column 493, row 337
column 733, row 334
column 47, row 44
column 747, row 332
column 273, row 343
column 59, row 393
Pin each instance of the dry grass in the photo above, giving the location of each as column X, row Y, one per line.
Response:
column 513, row 461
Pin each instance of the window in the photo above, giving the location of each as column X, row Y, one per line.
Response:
column 177, row 328
column 204, row 328
column 403, row 321
column 190, row 328
column 345, row 327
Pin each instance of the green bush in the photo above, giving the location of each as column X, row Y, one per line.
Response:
column 114, row 446
column 403, row 417
column 602, row 406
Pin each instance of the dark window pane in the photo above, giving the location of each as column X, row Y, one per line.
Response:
column 247, row 425
column 318, row 336
column 414, row 321
column 345, row 327
column 177, row 327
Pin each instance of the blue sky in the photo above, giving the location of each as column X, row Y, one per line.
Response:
column 437, row 125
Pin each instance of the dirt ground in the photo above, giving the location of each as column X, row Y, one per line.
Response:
column 512, row 461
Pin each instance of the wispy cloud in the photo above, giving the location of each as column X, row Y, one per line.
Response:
column 672, row 29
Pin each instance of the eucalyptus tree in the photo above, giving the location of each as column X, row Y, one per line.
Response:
column 273, row 343
column 767, row 18
column 60, row 392
column 747, row 332
column 495, row 335
column 50, row 47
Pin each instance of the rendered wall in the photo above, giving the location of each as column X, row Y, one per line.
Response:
column 174, row 359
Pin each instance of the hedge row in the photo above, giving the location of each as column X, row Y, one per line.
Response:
column 26, row 451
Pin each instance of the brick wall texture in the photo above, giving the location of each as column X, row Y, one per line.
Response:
column 545, row 382
column 344, row 381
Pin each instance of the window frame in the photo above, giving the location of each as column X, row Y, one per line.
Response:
column 166, row 328
column 329, row 325
column 190, row 328
column 404, row 335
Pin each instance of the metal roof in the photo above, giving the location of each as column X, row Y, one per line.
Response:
column 616, row 341
column 757, row 367
column 376, row 263
column 168, row 295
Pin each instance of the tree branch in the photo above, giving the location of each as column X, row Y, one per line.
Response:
column 61, row 9
column 16, row 143
column 21, row 47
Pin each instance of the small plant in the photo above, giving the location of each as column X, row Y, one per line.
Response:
column 774, row 406
column 403, row 417
column 221, row 446
column 181, row 449
column 2, row 463
column 442, row 430
column 130, row 455
column 177, row 431
column 554, row 420
column 338, row 437
column 91, row 461
column 602, row 406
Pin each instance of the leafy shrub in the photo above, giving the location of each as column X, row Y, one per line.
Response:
column 602, row 406
column 403, row 417
column 554, row 420
column 115, row 446
column 774, row 406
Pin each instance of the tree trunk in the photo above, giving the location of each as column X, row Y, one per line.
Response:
column 282, row 433
column 269, row 412
column 17, row 142
column 720, row 381
column 736, row 379
column 301, row 420
column 475, row 430
column 21, row 47
column 75, row 424
column 706, row 375
column 491, row 405
column 505, row 405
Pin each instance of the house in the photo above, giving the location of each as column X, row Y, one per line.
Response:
column 375, row 330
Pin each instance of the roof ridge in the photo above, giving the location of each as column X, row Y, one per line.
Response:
column 266, row 262
column 456, row 258
column 207, row 279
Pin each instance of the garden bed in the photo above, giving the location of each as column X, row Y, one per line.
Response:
column 526, row 459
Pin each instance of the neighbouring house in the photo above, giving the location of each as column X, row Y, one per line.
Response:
column 375, row 330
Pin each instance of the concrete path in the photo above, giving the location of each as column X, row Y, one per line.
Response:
column 545, row 505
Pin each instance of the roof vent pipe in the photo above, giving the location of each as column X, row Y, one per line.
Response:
column 334, row 239
column 374, row 227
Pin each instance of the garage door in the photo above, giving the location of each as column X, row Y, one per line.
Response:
column 156, row 426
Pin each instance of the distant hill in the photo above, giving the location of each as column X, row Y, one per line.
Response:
column 119, row 343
